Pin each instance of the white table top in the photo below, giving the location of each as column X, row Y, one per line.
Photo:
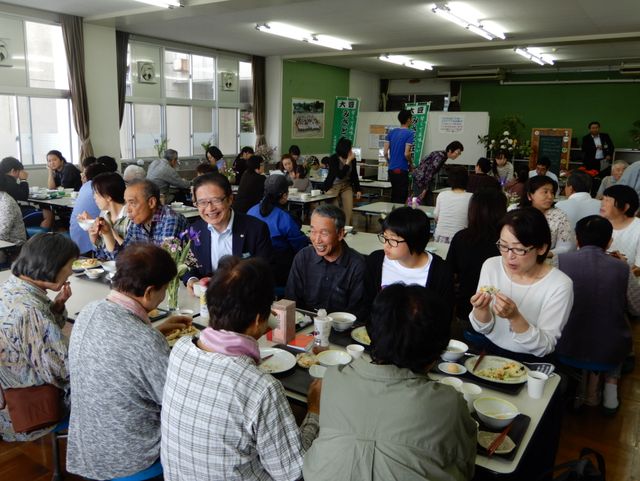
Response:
column 377, row 184
column 386, row 207
column 65, row 202
column 297, row 198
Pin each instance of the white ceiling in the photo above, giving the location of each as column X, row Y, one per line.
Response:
column 579, row 32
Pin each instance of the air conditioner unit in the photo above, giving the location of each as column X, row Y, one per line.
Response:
column 487, row 74
column 630, row 68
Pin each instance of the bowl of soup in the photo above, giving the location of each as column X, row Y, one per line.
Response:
column 454, row 351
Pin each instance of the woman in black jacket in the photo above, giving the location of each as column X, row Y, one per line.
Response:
column 342, row 179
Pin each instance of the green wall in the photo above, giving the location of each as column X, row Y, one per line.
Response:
column 309, row 80
column 615, row 105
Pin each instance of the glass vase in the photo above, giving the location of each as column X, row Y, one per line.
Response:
column 172, row 294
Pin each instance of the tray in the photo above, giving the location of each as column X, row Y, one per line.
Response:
column 297, row 379
column 512, row 389
column 517, row 432
column 344, row 338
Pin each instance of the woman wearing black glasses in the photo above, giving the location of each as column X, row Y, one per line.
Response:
column 522, row 303
column 403, row 259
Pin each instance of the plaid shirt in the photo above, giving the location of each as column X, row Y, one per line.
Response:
column 164, row 223
column 223, row 418
column 429, row 167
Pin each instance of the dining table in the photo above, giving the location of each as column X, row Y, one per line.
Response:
column 85, row 291
column 383, row 208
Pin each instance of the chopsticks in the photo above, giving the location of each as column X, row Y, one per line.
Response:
column 268, row 356
column 479, row 360
column 498, row 441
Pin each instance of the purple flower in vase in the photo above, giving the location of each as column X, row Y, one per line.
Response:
column 192, row 235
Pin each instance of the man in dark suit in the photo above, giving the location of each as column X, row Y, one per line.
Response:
column 223, row 231
column 597, row 149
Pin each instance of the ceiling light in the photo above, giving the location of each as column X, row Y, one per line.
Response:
column 295, row 33
column 406, row 62
column 534, row 54
column 163, row 3
column 331, row 42
column 468, row 21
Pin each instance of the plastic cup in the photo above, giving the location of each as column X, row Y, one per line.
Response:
column 355, row 350
column 470, row 392
column 322, row 326
column 535, row 383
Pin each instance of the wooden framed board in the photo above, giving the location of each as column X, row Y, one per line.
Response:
column 555, row 144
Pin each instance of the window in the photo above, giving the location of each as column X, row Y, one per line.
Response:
column 228, row 125
column 179, row 128
column 40, row 118
column 247, row 127
column 148, row 129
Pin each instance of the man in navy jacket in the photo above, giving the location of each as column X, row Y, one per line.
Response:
column 597, row 149
column 223, row 231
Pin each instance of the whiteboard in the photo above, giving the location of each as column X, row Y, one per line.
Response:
column 442, row 129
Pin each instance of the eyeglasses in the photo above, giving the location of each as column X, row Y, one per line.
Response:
column 204, row 203
column 391, row 242
column 519, row 251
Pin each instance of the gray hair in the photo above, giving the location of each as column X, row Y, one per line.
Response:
column 620, row 162
column 133, row 172
column 170, row 154
column 331, row 211
column 150, row 189
column 36, row 260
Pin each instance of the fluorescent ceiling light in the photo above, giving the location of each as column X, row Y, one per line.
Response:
column 406, row 62
column 295, row 33
column 162, row 3
column 467, row 19
column 535, row 55
column 331, row 42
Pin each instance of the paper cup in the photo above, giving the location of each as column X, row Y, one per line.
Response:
column 322, row 327
column 355, row 350
column 470, row 392
column 535, row 383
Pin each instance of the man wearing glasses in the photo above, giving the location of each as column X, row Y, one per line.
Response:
column 329, row 274
column 223, row 231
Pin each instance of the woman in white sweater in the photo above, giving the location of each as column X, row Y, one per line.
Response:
column 452, row 206
column 522, row 303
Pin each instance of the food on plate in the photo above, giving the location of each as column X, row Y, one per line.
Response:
column 306, row 359
column 485, row 438
column 453, row 368
column 85, row 263
column 491, row 290
column 361, row 335
column 176, row 334
column 509, row 370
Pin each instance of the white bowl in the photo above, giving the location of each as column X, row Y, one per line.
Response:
column 86, row 224
column 109, row 266
column 454, row 382
column 455, row 350
column 333, row 357
column 293, row 190
column 94, row 273
column 315, row 192
column 342, row 320
column 177, row 205
column 317, row 371
column 495, row 412
column 348, row 229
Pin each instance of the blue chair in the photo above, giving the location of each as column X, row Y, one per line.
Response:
column 579, row 373
column 151, row 472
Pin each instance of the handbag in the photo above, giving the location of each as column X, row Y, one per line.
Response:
column 581, row 469
column 33, row 408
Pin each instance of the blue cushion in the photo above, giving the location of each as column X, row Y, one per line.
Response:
column 151, row 472
column 33, row 230
column 589, row 366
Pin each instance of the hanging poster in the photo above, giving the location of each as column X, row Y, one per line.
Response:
column 307, row 119
column 420, row 112
column 345, row 120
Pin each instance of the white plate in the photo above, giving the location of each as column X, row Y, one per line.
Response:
column 357, row 335
column 281, row 360
column 456, row 369
column 490, row 362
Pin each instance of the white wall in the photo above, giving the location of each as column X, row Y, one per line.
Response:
column 365, row 86
column 273, row 78
column 102, row 89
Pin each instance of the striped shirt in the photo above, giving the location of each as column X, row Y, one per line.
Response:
column 223, row 418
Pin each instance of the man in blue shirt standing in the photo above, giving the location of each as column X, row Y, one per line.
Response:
column 397, row 151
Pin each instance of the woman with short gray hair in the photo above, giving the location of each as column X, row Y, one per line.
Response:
column 33, row 348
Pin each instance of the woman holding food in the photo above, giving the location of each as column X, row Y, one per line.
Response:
column 118, row 364
column 522, row 303
column 33, row 348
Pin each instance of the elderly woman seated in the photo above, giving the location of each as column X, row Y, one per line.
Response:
column 33, row 349
column 222, row 417
column 386, row 419
column 118, row 364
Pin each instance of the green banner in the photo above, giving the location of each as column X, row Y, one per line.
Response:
column 420, row 112
column 345, row 120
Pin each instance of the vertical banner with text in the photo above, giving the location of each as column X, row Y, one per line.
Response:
column 420, row 112
column 345, row 120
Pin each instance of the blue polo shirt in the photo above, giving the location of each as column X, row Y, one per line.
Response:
column 398, row 139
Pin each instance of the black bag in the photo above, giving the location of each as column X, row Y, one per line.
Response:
column 581, row 469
